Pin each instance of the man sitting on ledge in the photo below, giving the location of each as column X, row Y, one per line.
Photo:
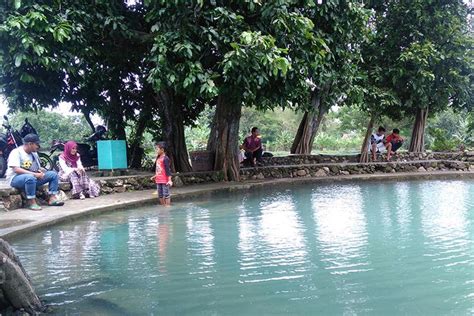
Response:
column 393, row 142
column 24, row 173
column 253, row 147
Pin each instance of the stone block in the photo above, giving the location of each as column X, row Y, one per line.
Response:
column 116, row 183
column 388, row 169
column 334, row 169
column 131, row 181
column 421, row 169
column 177, row 182
column 321, row 173
column 301, row 173
column 65, row 186
column 119, row 189
column 106, row 190
column 12, row 202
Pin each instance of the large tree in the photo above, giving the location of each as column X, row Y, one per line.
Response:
column 227, row 54
column 85, row 53
column 340, row 26
column 93, row 54
column 426, row 47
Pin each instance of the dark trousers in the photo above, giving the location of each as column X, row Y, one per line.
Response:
column 251, row 155
column 396, row 146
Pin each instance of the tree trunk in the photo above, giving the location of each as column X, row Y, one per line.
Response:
column 173, row 131
column 417, row 143
column 16, row 289
column 212, row 140
column 227, row 119
column 364, row 151
column 136, row 151
column 115, row 120
column 308, row 128
column 87, row 116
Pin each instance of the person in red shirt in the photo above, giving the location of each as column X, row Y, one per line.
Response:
column 393, row 142
column 162, row 175
column 253, row 147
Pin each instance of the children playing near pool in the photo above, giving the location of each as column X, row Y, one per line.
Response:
column 162, row 175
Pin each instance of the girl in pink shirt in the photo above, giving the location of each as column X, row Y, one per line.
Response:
column 162, row 175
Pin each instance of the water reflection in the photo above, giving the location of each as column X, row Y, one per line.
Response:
column 341, row 228
column 403, row 209
column 448, row 245
column 272, row 246
column 373, row 248
column 200, row 238
column 342, row 235
column 163, row 232
column 444, row 222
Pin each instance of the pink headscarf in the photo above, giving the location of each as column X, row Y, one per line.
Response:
column 67, row 156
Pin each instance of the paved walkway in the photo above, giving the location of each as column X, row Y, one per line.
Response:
column 22, row 221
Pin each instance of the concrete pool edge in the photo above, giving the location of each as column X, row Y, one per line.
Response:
column 74, row 209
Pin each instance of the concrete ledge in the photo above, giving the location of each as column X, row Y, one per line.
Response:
column 20, row 222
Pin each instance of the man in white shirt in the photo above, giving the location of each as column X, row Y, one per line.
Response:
column 24, row 173
column 377, row 142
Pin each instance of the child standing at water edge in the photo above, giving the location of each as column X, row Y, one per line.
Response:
column 162, row 175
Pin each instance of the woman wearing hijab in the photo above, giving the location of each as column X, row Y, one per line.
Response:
column 71, row 169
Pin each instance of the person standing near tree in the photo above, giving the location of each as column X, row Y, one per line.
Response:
column 162, row 175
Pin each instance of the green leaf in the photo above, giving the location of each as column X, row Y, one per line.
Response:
column 18, row 60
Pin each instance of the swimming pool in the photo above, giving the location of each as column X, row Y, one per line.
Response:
column 347, row 248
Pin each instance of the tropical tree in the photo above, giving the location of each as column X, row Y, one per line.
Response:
column 226, row 54
column 89, row 54
column 426, row 47
column 340, row 27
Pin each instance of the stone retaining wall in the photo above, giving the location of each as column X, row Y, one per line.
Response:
column 275, row 167
column 337, row 169
column 403, row 156
column 11, row 199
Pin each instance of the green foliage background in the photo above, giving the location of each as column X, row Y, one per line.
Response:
column 342, row 130
column 50, row 125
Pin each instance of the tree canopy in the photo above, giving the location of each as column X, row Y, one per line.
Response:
column 155, row 65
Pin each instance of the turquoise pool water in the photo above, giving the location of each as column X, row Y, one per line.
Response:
column 378, row 248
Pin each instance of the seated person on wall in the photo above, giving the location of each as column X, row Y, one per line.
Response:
column 253, row 147
column 393, row 142
column 71, row 170
column 377, row 144
column 24, row 173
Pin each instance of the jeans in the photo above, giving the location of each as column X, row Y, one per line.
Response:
column 29, row 184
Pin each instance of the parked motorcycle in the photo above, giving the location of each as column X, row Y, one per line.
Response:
column 13, row 139
column 87, row 150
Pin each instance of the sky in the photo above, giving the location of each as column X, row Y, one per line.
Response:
column 63, row 108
